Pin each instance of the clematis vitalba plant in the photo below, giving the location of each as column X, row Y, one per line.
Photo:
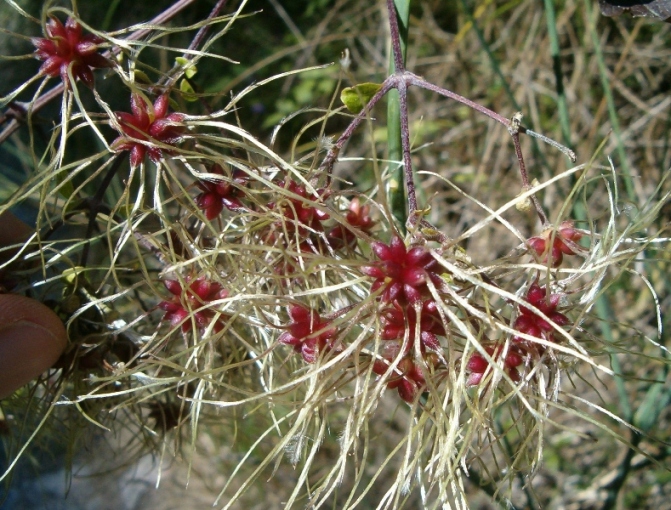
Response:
column 393, row 302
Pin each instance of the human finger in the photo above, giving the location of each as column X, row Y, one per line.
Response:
column 32, row 337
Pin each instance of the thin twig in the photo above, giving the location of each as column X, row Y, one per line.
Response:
column 514, row 131
column 565, row 150
column 195, row 43
column 332, row 155
column 421, row 82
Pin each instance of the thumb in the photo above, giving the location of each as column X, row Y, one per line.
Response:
column 32, row 337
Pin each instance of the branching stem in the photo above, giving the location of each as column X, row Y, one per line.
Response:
column 401, row 80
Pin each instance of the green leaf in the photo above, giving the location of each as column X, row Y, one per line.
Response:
column 71, row 274
column 355, row 98
column 187, row 91
column 190, row 69
column 141, row 77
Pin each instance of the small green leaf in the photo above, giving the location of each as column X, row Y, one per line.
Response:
column 71, row 274
column 187, row 91
column 355, row 98
column 190, row 69
column 141, row 77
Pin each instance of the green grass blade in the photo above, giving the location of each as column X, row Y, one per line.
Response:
column 562, row 106
column 612, row 113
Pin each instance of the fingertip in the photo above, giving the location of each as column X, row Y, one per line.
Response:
column 13, row 229
column 32, row 338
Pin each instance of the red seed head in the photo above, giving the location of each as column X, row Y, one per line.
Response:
column 563, row 239
column 530, row 323
column 402, row 273
column 308, row 333
column 199, row 293
column 149, row 124
column 216, row 195
column 66, row 48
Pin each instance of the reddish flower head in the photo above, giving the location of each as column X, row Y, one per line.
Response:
column 300, row 215
column 192, row 302
column 308, row 334
column 563, row 243
column 532, row 324
column 430, row 325
column 148, row 124
column 478, row 364
column 408, row 376
column 358, row 216
column 65, row 47
column 401, row 272
column 216, row 195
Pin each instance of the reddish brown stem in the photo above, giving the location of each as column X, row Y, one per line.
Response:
column 421, row 82
column 332, row 155
column 402, row 87
column 200, row 35
column 197, row 40
column 401, row 81
column 525, row 177
column 395, row 34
